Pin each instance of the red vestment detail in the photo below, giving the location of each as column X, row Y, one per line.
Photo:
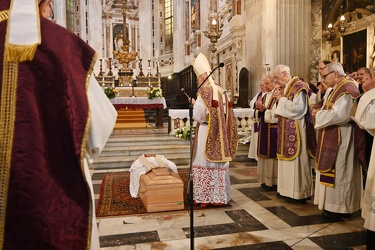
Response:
column 49, row 203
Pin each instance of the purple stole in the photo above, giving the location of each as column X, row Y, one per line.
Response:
column 329, row 138
column 222, row 136
column 267, row 135
column 256, row 112
column 288, row 136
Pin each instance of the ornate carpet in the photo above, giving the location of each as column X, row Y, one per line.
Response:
column 115, row 198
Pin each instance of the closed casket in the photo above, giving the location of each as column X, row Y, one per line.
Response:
column 161, row 190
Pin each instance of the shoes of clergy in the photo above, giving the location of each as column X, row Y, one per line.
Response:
column 297, row 201
column 203, row 205
column 278, row 195
column 333, row 215
column 268, row 188
column 291, row 200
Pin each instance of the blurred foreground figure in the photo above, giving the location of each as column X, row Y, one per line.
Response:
column 363, row 112
column 54, row 119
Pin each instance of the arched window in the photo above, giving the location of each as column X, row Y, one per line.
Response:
column 70, row 15
column 168, row 25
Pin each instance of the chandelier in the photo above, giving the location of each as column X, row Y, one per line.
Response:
column 213, row 33
column 329, row 34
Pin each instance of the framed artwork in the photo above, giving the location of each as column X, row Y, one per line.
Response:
column 354, row 50
column 118, row 28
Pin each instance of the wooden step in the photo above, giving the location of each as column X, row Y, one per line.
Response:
column 131, row 125
column 128, row 118
column 131, row 120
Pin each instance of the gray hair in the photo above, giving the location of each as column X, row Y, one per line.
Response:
column 366, row 70
column 283, row 68
column 336, row 66
column 270, row 76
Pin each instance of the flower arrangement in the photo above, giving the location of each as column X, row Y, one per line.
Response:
column 110, row 92
column 153, row 93
column 184, row 133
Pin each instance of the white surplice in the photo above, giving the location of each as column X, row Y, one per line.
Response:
column 345, row 196
column 295, row 177
column 103, row 119
column 253, row 148
column 365, row 118
column 267, row 168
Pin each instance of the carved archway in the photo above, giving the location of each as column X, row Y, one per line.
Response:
column 244, row 88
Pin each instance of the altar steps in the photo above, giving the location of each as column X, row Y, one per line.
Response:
column 125, row 146
column 128, row 118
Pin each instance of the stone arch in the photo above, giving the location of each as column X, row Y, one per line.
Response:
column 243, row 100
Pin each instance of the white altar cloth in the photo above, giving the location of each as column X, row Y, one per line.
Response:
column 138, row 101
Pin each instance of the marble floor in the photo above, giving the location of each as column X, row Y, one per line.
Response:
column 256, row 219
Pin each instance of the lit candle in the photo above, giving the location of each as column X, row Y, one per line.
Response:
column 213, row 24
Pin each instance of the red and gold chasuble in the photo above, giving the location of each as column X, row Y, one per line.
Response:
column 222, row 137
column 47, row 199
column 329, row 138
column 288, row 136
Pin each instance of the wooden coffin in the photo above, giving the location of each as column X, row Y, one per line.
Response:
column 161, row 190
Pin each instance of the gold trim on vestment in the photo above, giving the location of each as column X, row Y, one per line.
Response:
column 25, row 52
column 83, row 148
column 7, row 118
column 4, row 15
column 283, row 121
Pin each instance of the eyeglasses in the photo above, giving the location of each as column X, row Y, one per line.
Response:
column 325, row 76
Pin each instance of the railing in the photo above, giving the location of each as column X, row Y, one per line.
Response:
column 179, row 118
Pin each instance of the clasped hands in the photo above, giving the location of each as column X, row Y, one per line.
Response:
column 277, row 93
column 260, row 106
column 314, row 110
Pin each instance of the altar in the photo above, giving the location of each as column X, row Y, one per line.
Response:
column 128, row 91
column 142, row 103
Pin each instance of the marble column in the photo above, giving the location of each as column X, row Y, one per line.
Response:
column 316, row 38
column 145, row 35
column 277, row 32
column 94, row 35
column 178, row 35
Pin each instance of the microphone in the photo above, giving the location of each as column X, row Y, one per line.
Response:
column 183, row 90
column 220, row 66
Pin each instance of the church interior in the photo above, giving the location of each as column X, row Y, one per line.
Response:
column 142, row 44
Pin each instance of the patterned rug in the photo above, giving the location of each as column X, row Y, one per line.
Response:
column 115, row 198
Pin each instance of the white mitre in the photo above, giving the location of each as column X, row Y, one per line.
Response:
column 23, row 31
column 201, row 66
